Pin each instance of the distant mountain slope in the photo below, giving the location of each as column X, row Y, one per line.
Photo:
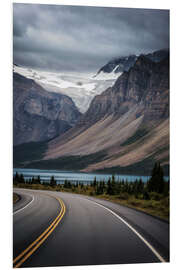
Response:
column 128, row 123
column 39, row 115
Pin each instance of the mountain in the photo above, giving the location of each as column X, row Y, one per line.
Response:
column 126, row 128
column 81, row 87
column 39, row 115
column 158, row 56
column 119, row 64
column 124, row 63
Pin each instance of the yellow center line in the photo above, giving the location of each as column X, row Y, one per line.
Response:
column 41, row 238
column 30, row 246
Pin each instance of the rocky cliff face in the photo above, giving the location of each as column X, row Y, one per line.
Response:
column 39, row 115
column 145, row 84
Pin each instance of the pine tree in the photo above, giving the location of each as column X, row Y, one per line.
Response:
column 21, row 179
column 166, row 188
column 140, row 186
column 33, row 180
column 114, row 191
column 76, row 185
column 65, row 184
column 52, row 181
column 82, row 185
column 94, row 182
column 109, row 187
column 16, row 178
column 39, row 179
column 156, row 182
column 100, row 188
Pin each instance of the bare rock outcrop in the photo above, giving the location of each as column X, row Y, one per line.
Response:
column 39, row 115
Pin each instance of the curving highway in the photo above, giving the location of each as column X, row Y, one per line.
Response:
column 60, row 229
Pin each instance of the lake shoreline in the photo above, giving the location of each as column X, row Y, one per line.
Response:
column 76, row 176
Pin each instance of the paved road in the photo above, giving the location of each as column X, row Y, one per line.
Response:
column 84, row 231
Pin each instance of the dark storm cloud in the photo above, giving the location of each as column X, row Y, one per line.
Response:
column 84, row 38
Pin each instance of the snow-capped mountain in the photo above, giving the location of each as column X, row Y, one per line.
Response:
column 81, row 87
column 118, row 65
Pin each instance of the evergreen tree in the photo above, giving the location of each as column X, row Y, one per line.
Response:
column 16, row 179
column 94, row 182
column 140, row 186
column 146, row 195
column 119, row 187
column 21, row 179
column 30, row 181
column 76, row 184
column 65, row 184
column 109, row 187
column 82, row 185
column 69, row 184
column 114, row 191
column 125, row 189
column 156, row 182
column 100, row 188
column 52, row 181
column 33, row 180
column 38, row 179
column 135, row 187
column 166, row 188
column 103, row 185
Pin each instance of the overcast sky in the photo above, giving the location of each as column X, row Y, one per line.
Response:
column 72, row 38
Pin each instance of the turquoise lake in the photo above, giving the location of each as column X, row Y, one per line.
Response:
column 61, row 176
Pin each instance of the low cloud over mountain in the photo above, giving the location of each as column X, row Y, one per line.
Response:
column 56, row 37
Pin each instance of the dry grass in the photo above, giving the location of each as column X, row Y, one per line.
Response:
column 158, row 208
column 15, row 198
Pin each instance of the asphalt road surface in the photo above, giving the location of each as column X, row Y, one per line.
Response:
column 60, row 229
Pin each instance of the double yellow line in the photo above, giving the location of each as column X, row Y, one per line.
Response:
column 23, row 256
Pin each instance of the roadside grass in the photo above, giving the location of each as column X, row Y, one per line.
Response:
column 158, row 208
column 157, row 204
column 15, row 198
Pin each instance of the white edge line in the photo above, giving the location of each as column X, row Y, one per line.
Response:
column 24, row 206
column 136, row 232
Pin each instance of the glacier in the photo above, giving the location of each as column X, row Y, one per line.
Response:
column 80, row 86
